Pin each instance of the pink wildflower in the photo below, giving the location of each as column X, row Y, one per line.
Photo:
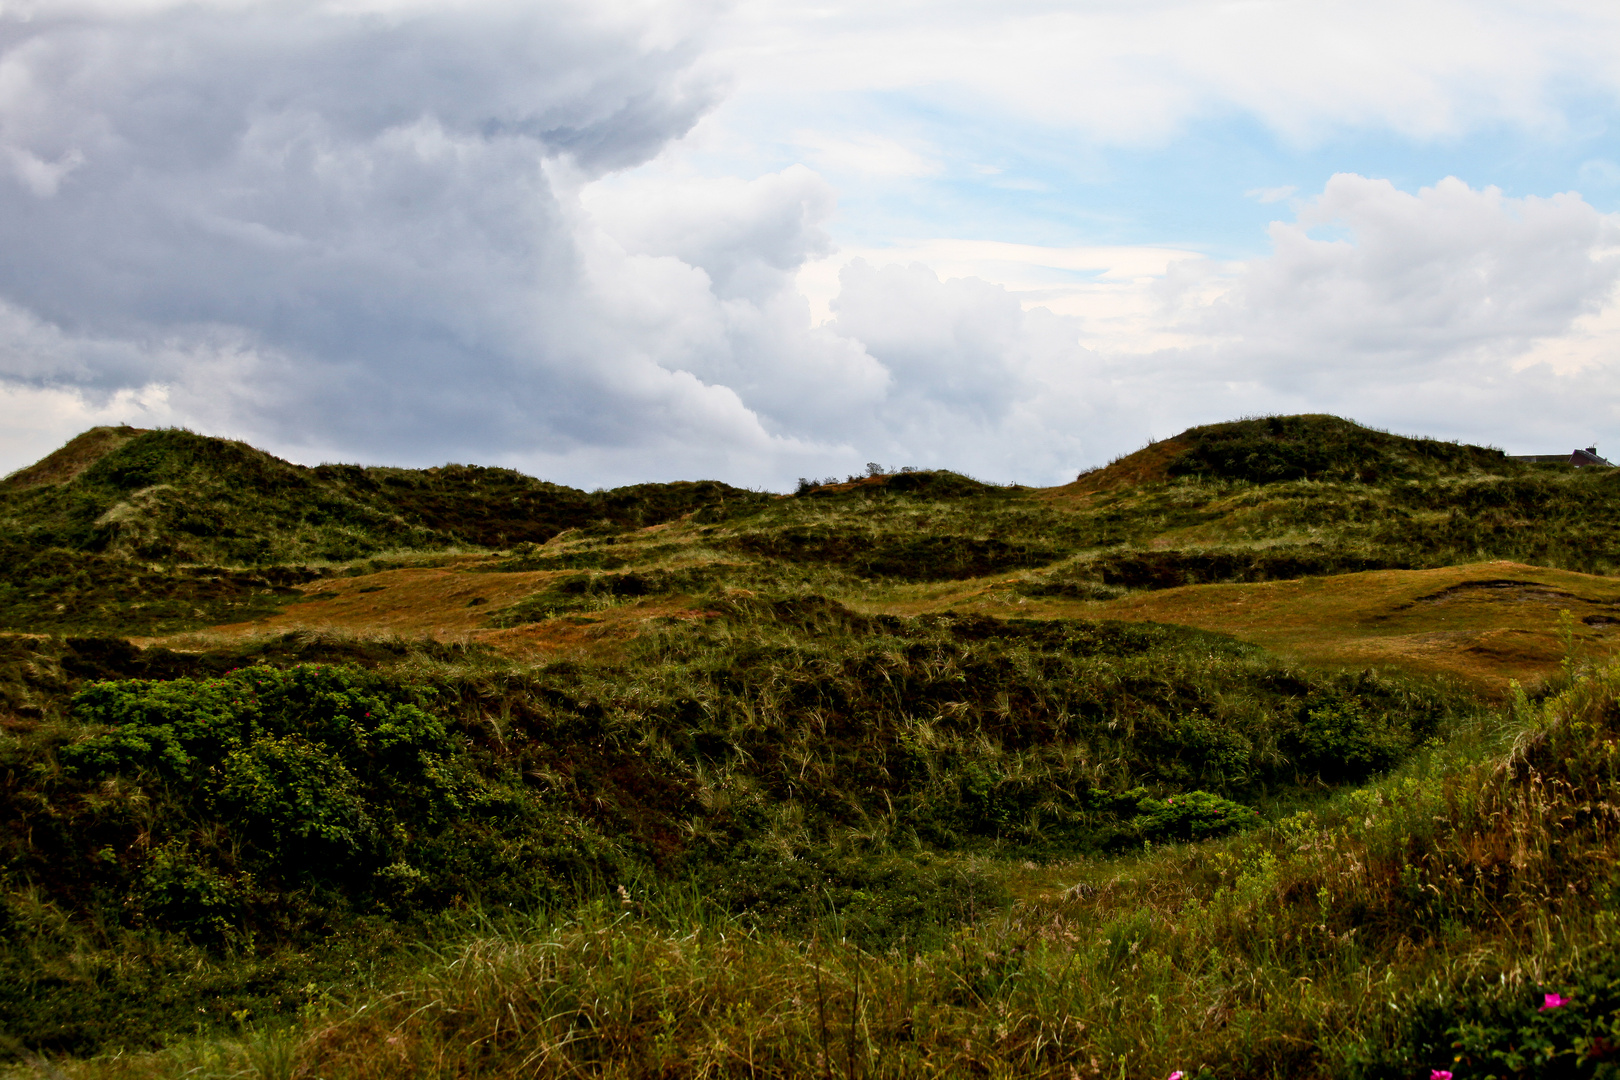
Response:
column 1439, row 1074
column 1177, row 1075
column 1553, row 1001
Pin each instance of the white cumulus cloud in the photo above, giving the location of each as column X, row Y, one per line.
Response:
column 407, row 232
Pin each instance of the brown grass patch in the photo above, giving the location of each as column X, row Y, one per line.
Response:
column 1487, row 623
column 1148, row 465
column 445, row 603
column 72, row 459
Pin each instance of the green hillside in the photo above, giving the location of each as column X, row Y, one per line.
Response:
column 456, row 771
column 176, row 497
column 151, row 531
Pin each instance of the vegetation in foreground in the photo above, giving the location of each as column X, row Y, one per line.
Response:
column 791, row 759
column 785, row 825
column 1458, row 914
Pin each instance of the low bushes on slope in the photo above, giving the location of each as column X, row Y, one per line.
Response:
column 793, row 758
column 1460, row 917
column 55, row 590
column 859, row 550
column 1169, row 568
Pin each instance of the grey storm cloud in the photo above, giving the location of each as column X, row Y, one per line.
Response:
column 416, row 234
column 353, row 214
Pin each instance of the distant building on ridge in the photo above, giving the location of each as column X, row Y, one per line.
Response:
column 1577, row 458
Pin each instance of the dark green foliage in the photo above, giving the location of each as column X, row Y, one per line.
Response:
column 876, row 900
column 39, row 675
column 499, row 508
column 868, row 553
column 1190, row 815
column 640, row 505
column 914, row 483
column 801, row 761
column 53, row 589
column 943, row 731
column 1168, row 568
column 67, row 991
column 1339, row 737
column 274, row 800
column 1479, row 1031
column 270, row 798
column 1277, row 448
column 588, row 592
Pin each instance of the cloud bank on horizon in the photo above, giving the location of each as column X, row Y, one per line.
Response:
column 611, row 242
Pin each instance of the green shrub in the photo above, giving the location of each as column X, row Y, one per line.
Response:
column 1567, row 1026
column 183, row 892
column 315, row 777
column 1339, row 738
column 1190, row 815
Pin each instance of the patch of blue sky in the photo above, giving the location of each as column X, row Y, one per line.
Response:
column 907, row 168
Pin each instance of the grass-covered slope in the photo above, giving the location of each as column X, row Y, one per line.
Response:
column 1273, row 449
column 793, row 757
column 153, row 531
column 1283, row 497
column 1248, row 501
column 458, row 771
column 1416, row 923
column 1459, row 917
column 1320, row 447
column 174, row 496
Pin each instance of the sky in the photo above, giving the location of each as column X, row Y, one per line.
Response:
column 619, row 241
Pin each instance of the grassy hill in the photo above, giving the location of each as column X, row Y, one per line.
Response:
column 1279, row 748
column 133, row 530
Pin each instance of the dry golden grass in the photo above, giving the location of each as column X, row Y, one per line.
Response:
column 437, row 601
column 1486, row 623
column 1146, row 466
column 450, row 603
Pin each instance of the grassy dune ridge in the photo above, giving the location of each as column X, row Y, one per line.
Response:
column 1281, row 748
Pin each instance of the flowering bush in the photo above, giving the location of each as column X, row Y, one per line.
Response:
column 1545, row 1033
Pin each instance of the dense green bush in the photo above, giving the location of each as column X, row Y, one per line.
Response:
column 285, row 791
